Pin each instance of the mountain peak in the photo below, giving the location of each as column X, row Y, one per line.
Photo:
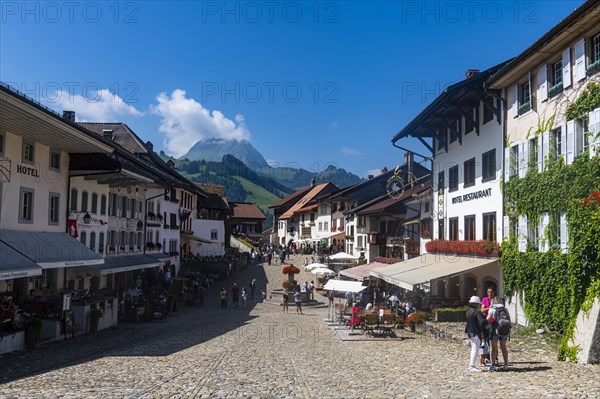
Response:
column 214, row 149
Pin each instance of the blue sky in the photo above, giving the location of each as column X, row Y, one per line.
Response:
column 309, row 83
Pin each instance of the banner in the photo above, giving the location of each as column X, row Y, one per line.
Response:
column 72, row 225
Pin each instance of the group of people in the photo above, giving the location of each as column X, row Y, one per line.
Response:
column 307, row 287
column 238, row 293
column 488, row 323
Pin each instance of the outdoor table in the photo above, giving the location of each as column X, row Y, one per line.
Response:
column 380, row 330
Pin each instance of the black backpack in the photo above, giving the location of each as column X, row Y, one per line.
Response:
column 502, row 321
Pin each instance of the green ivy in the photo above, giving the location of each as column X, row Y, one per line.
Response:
column 588, row 100
column 556, row 285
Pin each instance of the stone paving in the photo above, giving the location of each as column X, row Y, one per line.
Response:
column 259, row 352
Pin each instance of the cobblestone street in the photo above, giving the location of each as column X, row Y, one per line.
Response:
column 260, row 352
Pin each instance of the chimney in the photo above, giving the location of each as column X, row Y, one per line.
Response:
column 69, row 116
column 312, row 182
column 471, row 72
column 370, row 177
column 149, row 145
column 108, row 133
column 384, row 170
column 171, row 164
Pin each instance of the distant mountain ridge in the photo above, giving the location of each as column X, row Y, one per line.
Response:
column 213, row 150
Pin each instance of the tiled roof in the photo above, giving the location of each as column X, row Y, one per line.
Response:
column 244, row 210
column 212, row 188
column 122, row 135
column 304, row 200
column 298, row 194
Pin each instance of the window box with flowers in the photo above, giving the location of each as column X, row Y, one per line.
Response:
column 478, row 248
column 425, row 234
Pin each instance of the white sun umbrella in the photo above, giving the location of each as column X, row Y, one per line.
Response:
column 342, row 256
column 323, row 271
column 312, row 266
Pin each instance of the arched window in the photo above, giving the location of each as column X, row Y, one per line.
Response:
column 83, row 238
column 73, row 205
column 101, row 243
column 93, row 241
column 103, row 204
column 84, row 201
column 94, row 203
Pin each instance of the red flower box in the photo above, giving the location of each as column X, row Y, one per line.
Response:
column 480, row 247
column 290, row 270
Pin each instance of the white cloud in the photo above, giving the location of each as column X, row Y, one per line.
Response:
column 349, row 151
column 184, row 121
column 97, row 106
column 272, row 162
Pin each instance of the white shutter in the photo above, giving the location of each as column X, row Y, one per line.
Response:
column 570, row 144
column 580, row 72
column 593, row 131
column 521, row 160
column 540, row 154
column 543, row 83
column 515, row 101
column 545, row 148
column 506, row 164
column 506, row 227
column 544, row 221
column 522, row 233
column 525, row 152
column 564, row 234
column 563, row 140
column 566, row 68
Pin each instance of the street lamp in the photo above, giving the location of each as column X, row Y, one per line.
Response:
column 87, row 218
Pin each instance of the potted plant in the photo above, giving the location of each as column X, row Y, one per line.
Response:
column 95, row 315
column 414, row 319
column 33, row 331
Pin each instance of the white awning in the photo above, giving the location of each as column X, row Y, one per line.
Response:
column 343, row 285
column 428, row 267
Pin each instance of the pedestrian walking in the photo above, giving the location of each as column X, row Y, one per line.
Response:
column 285, row 299
column 252, row 288
column 348, row 296
column 244, row 297
column 235, row 294
column 475, row 330
column 331, row 297
column 298, row 301
column 311, row 290
column 223, row 295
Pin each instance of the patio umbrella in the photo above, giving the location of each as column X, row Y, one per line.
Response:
column 323, row 271
column 342, row 256
column 312, row 266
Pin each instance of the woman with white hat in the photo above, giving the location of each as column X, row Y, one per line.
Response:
column 474, row 329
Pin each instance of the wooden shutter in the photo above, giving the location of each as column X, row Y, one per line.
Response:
column 544, row 221
column 506, row 164
column 564, row 234
column 566, row 67
column 580, row 71
column 570, row 144
column 540, row 154
column 522, row 233
column 545, row 148
column 506, row 227
column 543, row 83
column 515, row 100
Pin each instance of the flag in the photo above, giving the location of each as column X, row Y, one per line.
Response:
column 72, row 224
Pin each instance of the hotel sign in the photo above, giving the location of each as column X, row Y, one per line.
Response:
column 472, row 196
column 24, row 170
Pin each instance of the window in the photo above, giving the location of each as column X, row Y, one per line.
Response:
column 320, row 226
column 28, row 152
column 26, row 205
column 440, row 229
column 456, row 127
column 470, row 227
column 93, row 241
column 112, row 209
column 441, row 182
column 443, row 137
column 489, row 226
column 173, row 246
column 469, row 172
column 453, row 178
column 514, row 161
column 468, row 125
column 53, row 208
column 581, row 136
column 533, row 234
column 359, row 241
column 427, row 207
column 55, row 159
column 513, row 227
column 555, row 144
column 131, row 239
column 555, row 78
column 123, row 240
column 214, row 235
column 139, row 240
column 488, row 114
column 94, row 203
column 1, row 143
column 488, row 162
column 362, row 221
column 533, row 155
column 132, row 208
column 453, row 229
column 326, row 226
column 73, row 205
column 84, row 201
column 173, row 220
column 524, row 97
column 101, row 243
column 124, row 203
column 595, row 54
column 83, row 238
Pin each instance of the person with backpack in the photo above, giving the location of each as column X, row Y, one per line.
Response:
column 475, row 329
column 499, row 318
